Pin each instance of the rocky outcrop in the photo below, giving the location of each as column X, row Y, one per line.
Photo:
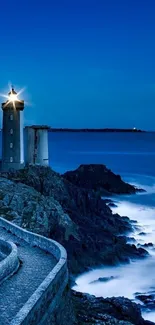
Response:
column 148, row 299
column 100, row 179
column 26, row 207
column 43, row 201
column 80, row 221
column 91, row 310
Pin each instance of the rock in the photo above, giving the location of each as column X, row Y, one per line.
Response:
column 75, row 217
column 43, row 201
column 147, row 299
column 147, row 245
column 107, row 201
column 142, row 251
column 72, row 281
column 112, row 205
column 104, row 279
column 125, row 218
column 29, row 209
column 99, row 179
column 89, row 308
column 102, row 320
column 142, row 233
column 131, row 240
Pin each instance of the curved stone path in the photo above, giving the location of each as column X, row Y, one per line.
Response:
column 16, row 290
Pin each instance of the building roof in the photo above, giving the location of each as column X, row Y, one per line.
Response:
column 38, row 127
column 12, row 92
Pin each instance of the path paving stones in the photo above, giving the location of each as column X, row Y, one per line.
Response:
column 16, row 290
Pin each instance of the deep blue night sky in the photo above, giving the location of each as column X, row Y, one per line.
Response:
column 85, row 63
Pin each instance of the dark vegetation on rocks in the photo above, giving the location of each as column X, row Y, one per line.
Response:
column 59, row 207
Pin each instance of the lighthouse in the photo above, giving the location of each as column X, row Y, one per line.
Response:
column 12, row 133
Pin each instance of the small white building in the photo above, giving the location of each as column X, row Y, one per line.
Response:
column 36, row 142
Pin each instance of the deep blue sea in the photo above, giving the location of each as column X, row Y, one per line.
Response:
column 121, row 152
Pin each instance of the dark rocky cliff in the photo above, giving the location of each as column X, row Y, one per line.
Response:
column 77, row 218
column 39, row 199
column 110, row 311
column 99, row 179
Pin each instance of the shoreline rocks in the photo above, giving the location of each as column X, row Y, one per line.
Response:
column 104, row 279
column 148, row 299
column 39, row 199
column 116, row 310
column 77, row 218
column 100, row 179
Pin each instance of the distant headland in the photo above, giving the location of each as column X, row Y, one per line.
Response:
column 94, row 130
column 50, row 129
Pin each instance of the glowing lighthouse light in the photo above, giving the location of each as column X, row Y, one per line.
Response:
column 13, row 95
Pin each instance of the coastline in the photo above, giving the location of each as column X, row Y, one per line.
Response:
column 76, row 217
column 100, row 130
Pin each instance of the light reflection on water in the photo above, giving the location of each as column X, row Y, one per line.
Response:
column 138, row 276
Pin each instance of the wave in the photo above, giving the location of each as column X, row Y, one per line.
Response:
column 131, row 278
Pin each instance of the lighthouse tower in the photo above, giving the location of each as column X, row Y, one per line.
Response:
column 12, row 133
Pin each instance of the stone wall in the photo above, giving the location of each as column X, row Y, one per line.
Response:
column 10, row 262
column 44, row 302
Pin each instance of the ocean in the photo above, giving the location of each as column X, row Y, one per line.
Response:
column 122, row 152
column 132, row 155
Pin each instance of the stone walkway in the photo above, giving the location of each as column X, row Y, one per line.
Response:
column 17, row 289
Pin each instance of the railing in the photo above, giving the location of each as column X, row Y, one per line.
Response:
column 10, row 262
column 46, row 298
